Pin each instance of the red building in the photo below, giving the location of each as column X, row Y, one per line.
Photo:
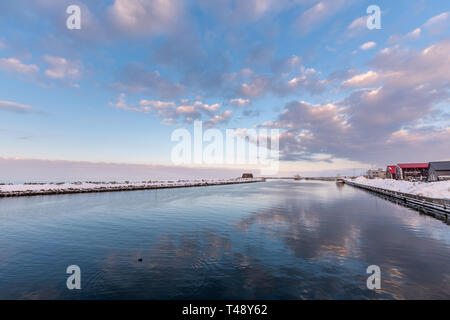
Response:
column 409, row 171
column 390, row 172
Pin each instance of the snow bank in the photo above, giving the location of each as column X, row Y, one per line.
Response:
column 37, row 188
column 439, row 190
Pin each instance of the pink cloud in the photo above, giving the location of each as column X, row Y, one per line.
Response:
column 140, row 17
column 16, row 66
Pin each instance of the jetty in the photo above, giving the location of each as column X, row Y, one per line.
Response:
column 436, row 207
column 40, row 189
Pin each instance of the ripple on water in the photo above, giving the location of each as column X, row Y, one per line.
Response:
column 279, row 239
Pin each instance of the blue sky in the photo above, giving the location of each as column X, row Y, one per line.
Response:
column 343, row 96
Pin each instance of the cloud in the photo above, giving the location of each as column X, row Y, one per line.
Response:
column 399, row 68
column 360, row 80
column 16, row 66
column 368, row 45
column 134, row 78
column 140, row 17
column 94, row 27
column 415, row 33
column 289, row 76
column 286, row 64
column 245, row 12
column 190, row 111
column 200, row 63
column 54, row 68
column 307, row 79
column 102, row 22
column 239, row 102
column 309, row 129
column 258, row 86
column 410, row 67
column 159, row 105
column 385, row 119
column 122, row 104
column 223, row 117
column 251, row 113
column 433, row 26
column 357, row 26
column 176, row 113
column 319, row 13
column 286, row 76
column 438, row 23
column 260, row 55
column 61, row 69
column 15, row 107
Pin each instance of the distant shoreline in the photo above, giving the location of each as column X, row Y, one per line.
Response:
column 38, row 189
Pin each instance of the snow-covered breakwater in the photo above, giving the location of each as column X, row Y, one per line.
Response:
column 32, row 189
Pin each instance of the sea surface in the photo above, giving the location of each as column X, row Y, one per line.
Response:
column 275, row 240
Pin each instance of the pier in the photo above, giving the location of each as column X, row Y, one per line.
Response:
column 438, row 208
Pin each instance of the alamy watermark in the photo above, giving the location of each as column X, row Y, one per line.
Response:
column 374, row 280
column 374, row 20
column 74, row 280
column 74, row 19
column 239, row 147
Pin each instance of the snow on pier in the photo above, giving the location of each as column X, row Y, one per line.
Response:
column 437, row 190
column 30, row 189
column 431, row 198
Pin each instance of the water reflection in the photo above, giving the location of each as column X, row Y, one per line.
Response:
column 274, row 240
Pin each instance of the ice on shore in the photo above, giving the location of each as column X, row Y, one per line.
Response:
column 439, row 189
column 74, row 186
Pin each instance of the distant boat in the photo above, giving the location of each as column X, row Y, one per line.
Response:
column 297, row 177
column 339, row 180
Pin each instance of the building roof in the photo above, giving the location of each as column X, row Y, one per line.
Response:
column 413, row 165
column 440, row 165
column 391, row 169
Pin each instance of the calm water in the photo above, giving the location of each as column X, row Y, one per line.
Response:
column 273, row 240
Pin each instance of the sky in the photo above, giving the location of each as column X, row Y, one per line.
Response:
column 104, row 100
